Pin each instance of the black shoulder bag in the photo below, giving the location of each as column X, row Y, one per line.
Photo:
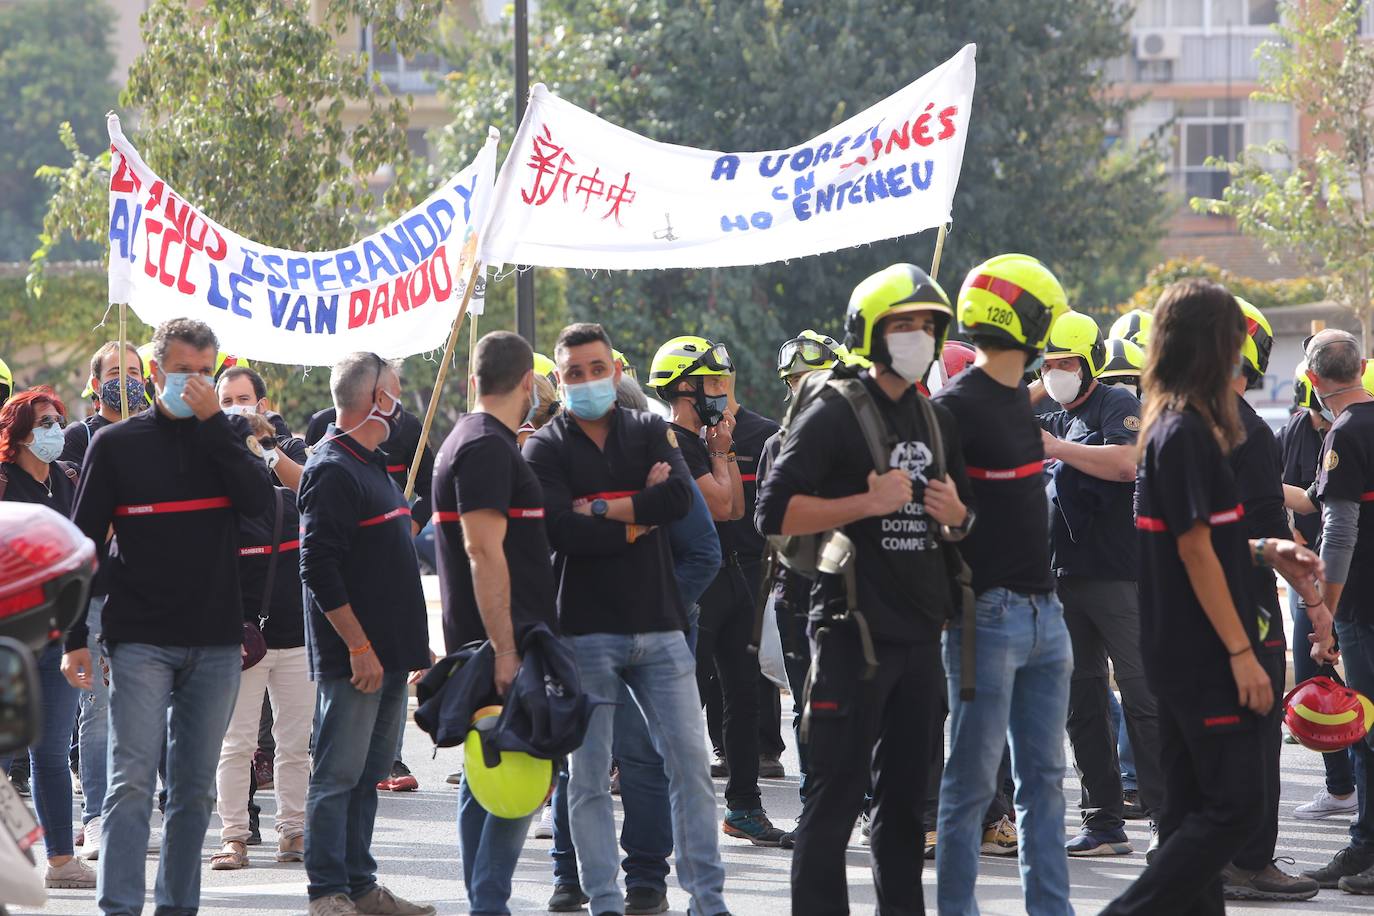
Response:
column 254, row 644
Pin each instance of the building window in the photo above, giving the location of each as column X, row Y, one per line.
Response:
column 1211, row 15
column 419, row 74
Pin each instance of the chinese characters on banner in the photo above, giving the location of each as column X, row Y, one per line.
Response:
column 394, row 293
column 577, row 191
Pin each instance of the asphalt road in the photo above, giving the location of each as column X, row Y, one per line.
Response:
column 416, row 847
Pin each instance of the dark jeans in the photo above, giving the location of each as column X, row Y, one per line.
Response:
column 1258, row 850
column 1103, row 617
column 724, row 632
column 770, row 716
column 796, row 658
column 1340, row 769
column 646, row 837
column 1357, row 651
column 883, row 729
column 1212, row 805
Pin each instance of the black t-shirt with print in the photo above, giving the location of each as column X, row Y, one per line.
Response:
column 1257, row 466
column 1346, row 471
column 480, row 468
column 1184, row 479
column 1105, row 547
column 1005, row 453
column 903, row 586
column 1301, row 445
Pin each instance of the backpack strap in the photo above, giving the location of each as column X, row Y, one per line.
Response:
column 263, row 611
column 877, row 437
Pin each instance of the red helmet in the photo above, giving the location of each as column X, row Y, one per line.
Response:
column 1326, row 716
column 957, row 357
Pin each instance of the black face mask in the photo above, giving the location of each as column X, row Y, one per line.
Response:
column 710, row 408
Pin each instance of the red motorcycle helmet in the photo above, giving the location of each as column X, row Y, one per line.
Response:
column 1326, row 716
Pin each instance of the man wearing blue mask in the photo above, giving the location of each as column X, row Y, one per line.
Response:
column 172, row 482
column 611, row 478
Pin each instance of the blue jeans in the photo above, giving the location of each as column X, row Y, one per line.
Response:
column 490, row 849
column 1357, row 651
column 1339, row 765
column 355, row 744
column 1124, row 754
column 647, row 834
column 183, row 695
column 661, row 674
column 51, row 776
column 94, row 720
column 1024, row 662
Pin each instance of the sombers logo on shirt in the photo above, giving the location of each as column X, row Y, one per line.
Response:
column 912, row 457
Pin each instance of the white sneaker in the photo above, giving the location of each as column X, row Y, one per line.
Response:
column 90, row 850
column 1324, row 804
column 154, row 841
column 544, row 829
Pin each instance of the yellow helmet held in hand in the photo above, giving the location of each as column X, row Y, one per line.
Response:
column 1259, row 343
column 1125, row 362
column 1076, row 334
column 891, row 291
column 687, row 356
column 1133, row 326
column 1011, row 300
column 516, row 785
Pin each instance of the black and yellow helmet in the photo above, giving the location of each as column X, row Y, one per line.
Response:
column 1133, row 326
column 1125, row 362
column 891, row 291
column 1302, row 388
column 687, row 356
column 1076, row 334
column 1259, row 343
column 6, row 382
column 545, row 367
column 808, row 351
column 1012, row 300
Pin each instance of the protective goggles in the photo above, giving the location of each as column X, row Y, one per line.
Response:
column 810, row 352
column 716, row 359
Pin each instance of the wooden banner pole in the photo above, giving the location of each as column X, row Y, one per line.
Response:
column 472, row 358
column 123, row 362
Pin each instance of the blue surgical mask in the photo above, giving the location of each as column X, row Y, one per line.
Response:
column 134, row 391
column 47, row 443
column 534, row 407
column 1239, row 369
column 170, row 394
column 590, row 400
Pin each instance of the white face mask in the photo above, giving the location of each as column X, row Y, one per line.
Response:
column 912, row 353
column 1062, row 385
column 241, row 410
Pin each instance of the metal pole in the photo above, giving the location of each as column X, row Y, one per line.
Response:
column 524, row 281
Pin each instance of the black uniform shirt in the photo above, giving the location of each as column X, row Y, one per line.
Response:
column 604, row 583
column 356, row 549
column 741, row 536
column 173, row 489
column 1347, row 472
column 285, row 627
column 399, row 450
column 1184, row 479
column 1257, row 466
column 1107, row 548
column 78, row 438
column 1005, row 454
column 1301, row 445
column 480, row 467
column 903, row 584
column 697, row 457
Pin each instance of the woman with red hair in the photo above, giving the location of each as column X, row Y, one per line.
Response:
column 30, row 440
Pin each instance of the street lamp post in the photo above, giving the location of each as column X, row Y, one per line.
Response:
column 524, row 280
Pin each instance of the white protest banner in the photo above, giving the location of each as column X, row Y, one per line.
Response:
column 577, row 191
column 394, row 293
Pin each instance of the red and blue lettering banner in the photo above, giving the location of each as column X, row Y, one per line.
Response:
column 393, row 293
column 577, row 191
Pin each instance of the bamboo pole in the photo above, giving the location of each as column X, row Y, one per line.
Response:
column 472, row 358
column 439, row 380
column 123, row 362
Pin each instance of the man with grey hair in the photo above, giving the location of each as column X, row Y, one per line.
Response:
column 366, row 629
column 172, row 482
column 1344, row 494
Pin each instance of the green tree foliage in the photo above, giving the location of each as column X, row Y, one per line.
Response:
column 1039, row 174
column 1262, row 294
column 55, row 66
column 1322, row 208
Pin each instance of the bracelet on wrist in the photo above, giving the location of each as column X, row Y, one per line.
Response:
column 504, row 654
column 361, row 650
column 1257, row 551
column 1239, row 652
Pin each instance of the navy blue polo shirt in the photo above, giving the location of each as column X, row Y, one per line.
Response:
column 1107, row 547
column 356, row 549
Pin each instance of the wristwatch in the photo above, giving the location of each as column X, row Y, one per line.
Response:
column 956, row 533
column 599, row 507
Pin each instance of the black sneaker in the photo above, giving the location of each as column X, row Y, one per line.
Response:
column 645, row 901
column 1363, row 883
column 1347, row 863
column 1131, row 809
column 568, row 898
column 20, row 781
column 752, row 825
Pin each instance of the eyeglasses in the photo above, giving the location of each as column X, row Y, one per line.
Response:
column 49, row 422
column 812, row 353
